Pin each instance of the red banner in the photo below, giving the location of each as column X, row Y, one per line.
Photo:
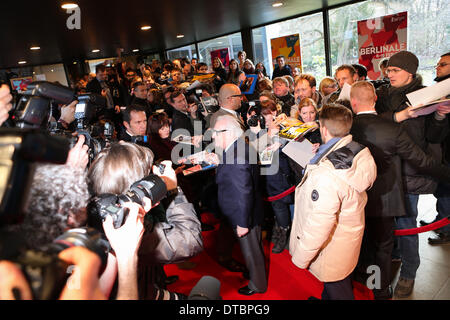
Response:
column 380, row 38
column 223, row 55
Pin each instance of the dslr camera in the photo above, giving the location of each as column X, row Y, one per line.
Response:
column 152, row 187
column 204, row 103
column 45, row 273
column 255, row 106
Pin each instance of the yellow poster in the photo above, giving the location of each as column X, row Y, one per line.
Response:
column 289, row 47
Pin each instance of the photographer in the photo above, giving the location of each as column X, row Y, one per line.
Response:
column 264, row 135
column 168, row 238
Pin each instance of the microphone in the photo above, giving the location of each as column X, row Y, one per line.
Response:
column 207, row 288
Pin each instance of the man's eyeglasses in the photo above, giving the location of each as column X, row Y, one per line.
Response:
column 393, row 71
column 442, row 64
column 235, row 96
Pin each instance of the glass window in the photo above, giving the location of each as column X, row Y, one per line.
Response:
column 182, row 52
column 428, row 30
column 233, row 42
column 95, row 62
column 52, row 73
column 312, row 46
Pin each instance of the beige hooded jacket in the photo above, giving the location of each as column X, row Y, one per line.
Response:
column 328, row 224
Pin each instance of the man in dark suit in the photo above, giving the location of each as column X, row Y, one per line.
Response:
column 99, row 85
column 240, row 197
column 140, row 91
column 134, row 124
column 389, row 145
column 184, row 116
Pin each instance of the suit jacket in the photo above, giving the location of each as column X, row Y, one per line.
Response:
column 182, row 121
column 211, row 120
column 390, row 144
column 239, row 192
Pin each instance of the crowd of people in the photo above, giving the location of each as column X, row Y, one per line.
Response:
column 373, row 157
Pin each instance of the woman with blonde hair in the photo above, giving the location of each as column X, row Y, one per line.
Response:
column 327, row 86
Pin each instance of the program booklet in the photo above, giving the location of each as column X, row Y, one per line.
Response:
column 197, row 162
column 430, row 97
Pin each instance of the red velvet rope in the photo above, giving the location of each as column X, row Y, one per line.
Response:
column 432, row 226
column 403, row 232
column 281, row 195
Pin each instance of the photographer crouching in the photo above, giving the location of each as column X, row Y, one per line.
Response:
column 40, row 248
column 170, row 235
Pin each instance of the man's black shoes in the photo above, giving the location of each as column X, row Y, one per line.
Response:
column 246, row 291
column 440, row 238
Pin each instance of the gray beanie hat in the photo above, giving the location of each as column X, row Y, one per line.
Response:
column 404, row 60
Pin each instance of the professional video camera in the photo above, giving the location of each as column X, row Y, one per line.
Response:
column 45, row 273
column 33, row 106
column 19, row 149
column 33, row 110
column 255, row 106
column 152, row 187
column 86, row 112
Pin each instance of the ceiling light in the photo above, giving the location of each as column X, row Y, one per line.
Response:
column 180, row 36
column 69, row 5
column 146, row 28
column 277, row 4
column 35, row 48
column 135, row 50
column 22, row 62
column 95, row 50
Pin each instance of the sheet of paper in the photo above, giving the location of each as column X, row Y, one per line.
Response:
column 345, row 92
column 300, row 152
column 431, row 93
column 183, row 139
column 194, row 85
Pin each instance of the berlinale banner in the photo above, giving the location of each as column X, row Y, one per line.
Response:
column 380, row 38
column 223, row 55
column 288, row 46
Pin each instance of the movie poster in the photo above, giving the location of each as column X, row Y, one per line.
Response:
column 380, row 38
column 223, row 55
column 288, row 46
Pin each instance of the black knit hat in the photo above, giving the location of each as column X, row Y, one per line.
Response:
column 404, row 60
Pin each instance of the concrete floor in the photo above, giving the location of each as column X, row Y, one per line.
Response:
column 433, row 277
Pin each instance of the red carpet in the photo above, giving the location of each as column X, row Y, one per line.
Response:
column 286, row 281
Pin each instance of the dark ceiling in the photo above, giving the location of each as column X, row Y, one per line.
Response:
column 109, row 25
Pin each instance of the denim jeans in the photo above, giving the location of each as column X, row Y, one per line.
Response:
column 282, row 213
column 408, row 246
column 443, row 204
